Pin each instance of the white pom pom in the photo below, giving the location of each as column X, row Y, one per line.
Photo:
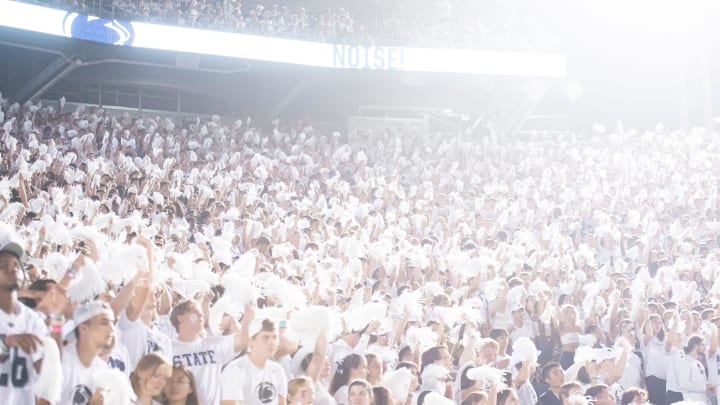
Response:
column 88, row 283
column 398, row 382
column 363, row 316
column 122, row 264
column 433, row 288
column 289, row 295
column 309, row 323
column 524, row 350
column 538, row 286
column 434, row 398
column 48, row 386
column 55, row 265
column 584, row 354
column 411, row 301
column 240, row 289
column 216, row 313
column 447, row 315
column 189, row 289
column 116, row 388
column 487, row 374
column 244, row 266
column 422, row 338
column 434, row 372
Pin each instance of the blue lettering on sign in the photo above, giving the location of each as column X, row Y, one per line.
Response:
column 362, row 57
column 195, row 359
column 98, row 29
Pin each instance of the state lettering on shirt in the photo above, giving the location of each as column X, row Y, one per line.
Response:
column 195, row 359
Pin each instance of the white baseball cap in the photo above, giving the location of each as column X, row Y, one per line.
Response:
column 9, row 242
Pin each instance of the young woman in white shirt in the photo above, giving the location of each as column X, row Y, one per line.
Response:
column 149, row 378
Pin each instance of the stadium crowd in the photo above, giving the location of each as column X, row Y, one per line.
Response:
column 216, row 263
column 444, row 24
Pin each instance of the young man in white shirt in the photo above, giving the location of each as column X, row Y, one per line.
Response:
column 692, row 377
column 139, row 332
column 94, row 330
column 255, row 379
column 20, row 329
column 204, row 356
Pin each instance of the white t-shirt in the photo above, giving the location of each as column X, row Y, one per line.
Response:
column 141, row 340
column 656, row 360
column 243, row 381
column 526, row 393
column 342, row 395
column 674, row 359
column 526, row 330
column 205, row 359
column 692, row 379
column 17, row 371
column 322, row 396
column 632, row 375
column 78, row 384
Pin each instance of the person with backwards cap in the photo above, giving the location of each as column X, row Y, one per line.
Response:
column 255, row 379
column 94, row 329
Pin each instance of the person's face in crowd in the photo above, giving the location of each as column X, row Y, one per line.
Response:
column 99, row 330
column 569, row 315
column 361, row 371
column 518, row 316
column 375, row 369
column 628, row 333
column 305, row 395
column 359, row 395
column 192, row 320
column 640, row 399
column 153, row 381
column 487, row 355
column 605, row 398
column 106, row 350
column 556, row 378
column 9, row 270
column 502, row 342
column 657, row 323
column 265, row 343
column 444, row 360
column 573, row 391
column 178, row 386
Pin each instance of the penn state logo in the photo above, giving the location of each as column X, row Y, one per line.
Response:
column 152, row 346
column 98, row 29
column 81, row 395
column 266, row 392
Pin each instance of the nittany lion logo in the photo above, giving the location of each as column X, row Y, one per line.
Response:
column 81, row 395
column 266, row 392
column 98, row 29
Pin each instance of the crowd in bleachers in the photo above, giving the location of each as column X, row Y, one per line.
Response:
column 142, row 261
column 442, row 24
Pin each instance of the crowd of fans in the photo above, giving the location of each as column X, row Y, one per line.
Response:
column 444, row 24
column 220, row 264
